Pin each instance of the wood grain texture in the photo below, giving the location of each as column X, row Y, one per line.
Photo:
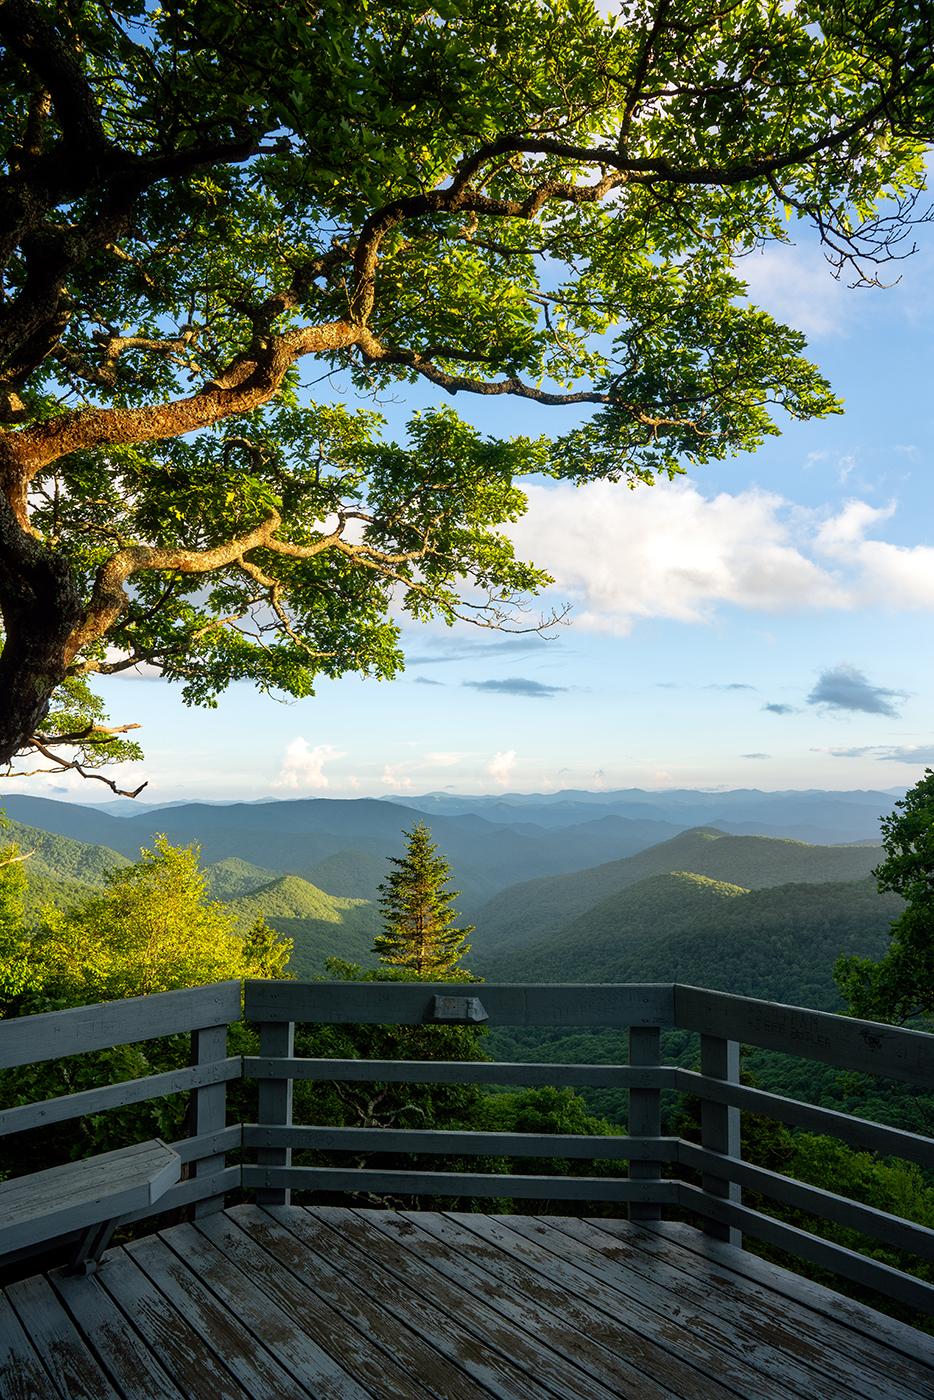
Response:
column 464, row 1072
column 860, row 1132
column 461, row 1143
column 424, row 1370
column 22, row 1374
column 340, row 1304
column 814, row 1035
column 841, row 1350
column 67, row 1357
column 709, row 1346
column 904, row 1288
column 506, row 1004
column 403, row 1183
column 450, row 1318
column 865, row 1322
column 54, row 1202
column 195, row 1367
column 27, row 1040
column 136, row 1372
column 155, row 1086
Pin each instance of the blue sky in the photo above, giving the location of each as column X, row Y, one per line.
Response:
column 765, row 623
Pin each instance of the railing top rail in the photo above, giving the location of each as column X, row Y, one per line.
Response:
column 867, row 1046
column 505, row 1003
column 30, row 1039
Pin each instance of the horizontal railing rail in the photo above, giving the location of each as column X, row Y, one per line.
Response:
column 721, row 1019
column 202, row 1012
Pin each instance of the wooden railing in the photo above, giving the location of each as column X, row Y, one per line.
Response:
column 205, row 1012
column 722, row 1021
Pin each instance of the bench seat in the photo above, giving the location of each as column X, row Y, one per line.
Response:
column 84, row 1195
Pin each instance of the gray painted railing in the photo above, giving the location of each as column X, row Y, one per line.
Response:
column 205, row 1012
column 722, row 1020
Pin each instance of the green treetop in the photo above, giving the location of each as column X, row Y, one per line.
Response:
column 900, row 985
column 203, row 200
column 417, row 913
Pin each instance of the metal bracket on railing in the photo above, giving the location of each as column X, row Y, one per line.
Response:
column 463, row 1009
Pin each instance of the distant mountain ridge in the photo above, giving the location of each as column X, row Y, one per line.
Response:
column 536, row 908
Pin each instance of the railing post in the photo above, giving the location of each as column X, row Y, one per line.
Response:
column 645, row 1115
column 720, row 1129
column 276, row 1041
column 208, row 1112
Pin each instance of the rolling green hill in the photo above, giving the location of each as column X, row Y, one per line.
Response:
column 350, row 874
column 322, row 925
column 59, row 858
column 584, row 950
column 229, row 878
column 778, row 943
column 531, row 910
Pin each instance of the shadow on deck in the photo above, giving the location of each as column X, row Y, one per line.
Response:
column 326, row 1302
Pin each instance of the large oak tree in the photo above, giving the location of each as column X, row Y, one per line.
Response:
column 208, row 207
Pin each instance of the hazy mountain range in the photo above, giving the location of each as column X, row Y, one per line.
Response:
column 580, row 899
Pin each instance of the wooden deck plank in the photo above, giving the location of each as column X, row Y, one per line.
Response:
column 340, row 1304
column 661, row 1320
column 597, row 1343
column 800, row 1357
column 193, row 1366
column 279, row 1331
column 472, row 1335
column 22, row 1374
column 553, row 1361
column 73, row 1367
column 394, row 1361
column 865, row 1321
column 136, row 1372
column 856, row 1352
column 256, row 1369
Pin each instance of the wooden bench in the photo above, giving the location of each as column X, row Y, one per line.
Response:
column 88, row 1196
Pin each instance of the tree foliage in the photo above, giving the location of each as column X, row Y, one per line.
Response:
column 900, row 985
column 204, row 201
column 417, row 912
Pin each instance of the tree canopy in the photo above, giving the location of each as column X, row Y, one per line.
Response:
column 211, row 208
column 900, row 986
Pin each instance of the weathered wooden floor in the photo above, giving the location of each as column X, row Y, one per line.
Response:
column 289, row 1302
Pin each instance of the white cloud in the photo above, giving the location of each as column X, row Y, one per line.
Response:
column 391, row 779
column 303, row 766
column 501, row 766
column 670, row 551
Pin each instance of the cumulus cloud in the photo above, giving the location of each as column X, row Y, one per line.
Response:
column 394, row 779
column 303, row 766
column 780, row 709
column 846, row 688
column 423, row 680
column 516, row 685
column 793, row 283
column 671, row 551
column 500, row 767
column 735, row 685
column 755, row 755
column 443, row 649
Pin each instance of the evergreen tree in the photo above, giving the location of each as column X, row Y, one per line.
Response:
column 417, row 914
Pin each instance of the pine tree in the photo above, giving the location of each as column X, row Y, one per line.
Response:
column 417, row 914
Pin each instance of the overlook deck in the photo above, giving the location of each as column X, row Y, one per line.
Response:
column 337, row 1304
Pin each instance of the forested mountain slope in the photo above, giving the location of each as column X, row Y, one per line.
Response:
column 536, row 908
column 584, row 950
column 778, row 943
